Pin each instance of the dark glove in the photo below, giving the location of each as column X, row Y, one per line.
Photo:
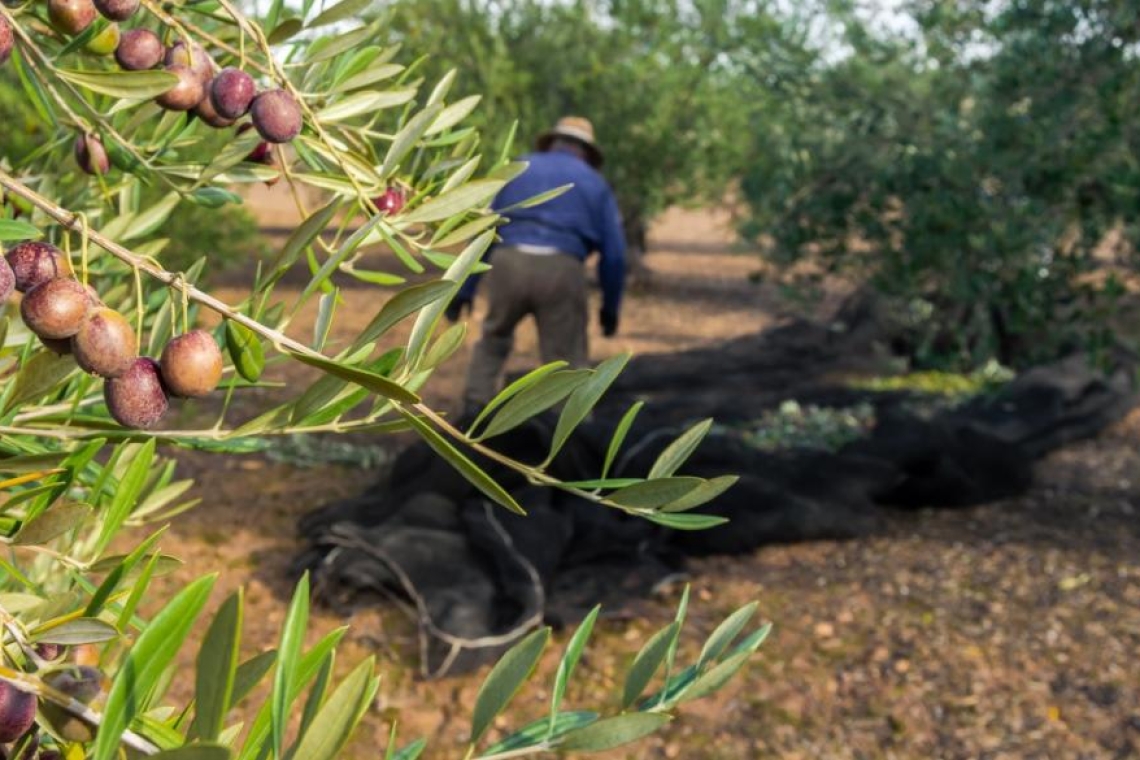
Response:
column 609, row 320
column 455, row 309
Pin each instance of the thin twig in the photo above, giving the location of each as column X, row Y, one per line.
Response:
column 32, row 685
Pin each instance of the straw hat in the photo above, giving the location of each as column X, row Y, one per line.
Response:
column 576, row 128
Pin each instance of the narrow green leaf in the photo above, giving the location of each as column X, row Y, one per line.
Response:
column 326, row 308
column 568, row 663
column 40, row 374
column 84, row 630
column 245, row 351
column 346, row 9
column 752, row 641
column 620, row 433
column 583, row 400
column 453, row 114
column 289, row 651
column 302, row 238
column 445, row 346
column 647, row 662
column 274, row 13
column 127, row 493
column 612, row 732
column 216, row 668
column 330, row 47
column 505, row 679
column 306, row 669
column 338, row 717
column 513, row 389
column 333, row 262
column 428, row 317
column 287, row 29
column 721, row 638
column 534, row 400
column 601, row 483
column 679, row 450
column 715, row 678
column 671, row 656
column 407, row 138
column 651, row 494
column 53, row 523
column 537, row 200
column 145, row 663
column 412, row 751
column 369, row 77
column 130, row 85
column 702, row 494
column 15, row 229
column 364, row 103
column 316, row 698
column 467, row 197
column 249, row 674
column 403, row 304
column 685, row 521
column 140, row 586
column 118, row 568
column 465, row 466
column 542, row 730
column 34, row 90
column 196, row 752
column 374, row 382
column 467, row 230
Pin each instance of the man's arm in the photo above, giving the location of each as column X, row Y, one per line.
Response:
column 611, row 264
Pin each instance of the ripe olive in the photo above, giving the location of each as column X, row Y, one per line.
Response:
column 191, row 364
column 91, row 155
column 6, row 40
column 186, row 94
column 117, row 10
column 56, row 308
column 276, row 116
column 139, row 49
column 17, row 712
column 231, row 92
column 71, row 16
column 105, row 344
column 34, row 263
column 137, row 399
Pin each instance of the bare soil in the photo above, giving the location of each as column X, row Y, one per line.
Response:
column 1004, row 631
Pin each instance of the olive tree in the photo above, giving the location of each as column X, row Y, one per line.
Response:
column 970, row 165
column 147, row 109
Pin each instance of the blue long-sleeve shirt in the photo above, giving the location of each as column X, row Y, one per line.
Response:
column 581, row 220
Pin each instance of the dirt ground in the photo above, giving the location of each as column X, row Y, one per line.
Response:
column 1006, row 631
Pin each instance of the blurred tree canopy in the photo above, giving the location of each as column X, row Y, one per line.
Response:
column 971, row 166
column 966, row 157
column 656, row 77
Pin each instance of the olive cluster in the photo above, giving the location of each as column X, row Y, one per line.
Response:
column 69, row 318
column 19, row 725
column 219, row 97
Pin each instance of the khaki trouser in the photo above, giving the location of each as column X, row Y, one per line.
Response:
column 552, row 287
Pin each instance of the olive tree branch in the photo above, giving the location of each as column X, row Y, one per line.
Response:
column 41, row 60
column 278, row 74
column 32, row 685
column 284, row 343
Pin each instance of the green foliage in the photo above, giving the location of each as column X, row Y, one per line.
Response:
column 652, row 75
column 953, row 385
column 144, row 235
column 972, row 168
column 791, row 425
